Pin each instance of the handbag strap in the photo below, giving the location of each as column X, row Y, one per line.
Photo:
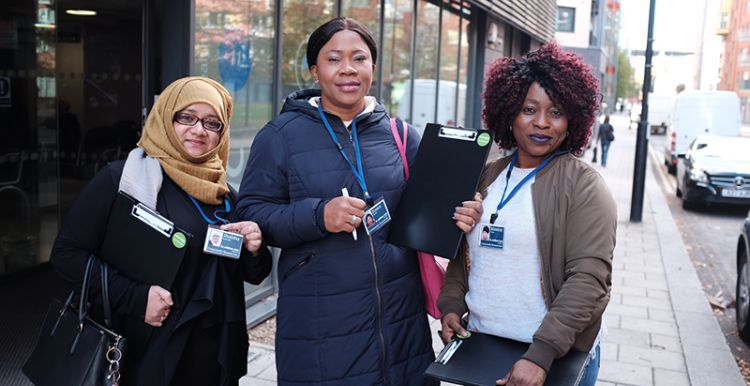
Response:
column 401, row 144
column 105, row 295
column 83, row 302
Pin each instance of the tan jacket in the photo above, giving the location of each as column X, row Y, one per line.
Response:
column 576, row 223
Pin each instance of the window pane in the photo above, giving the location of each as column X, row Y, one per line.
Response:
column 234, row 45
column 301, row 18
column 425, row 69
column 566, row 19
column 367, row 12
column 396, row 56
column 453, row 66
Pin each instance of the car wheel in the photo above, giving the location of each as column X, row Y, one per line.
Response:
column 672, row 169
column 743, row 297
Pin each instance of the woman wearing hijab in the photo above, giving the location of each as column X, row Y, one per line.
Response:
column 198, row 326
column 350, row 308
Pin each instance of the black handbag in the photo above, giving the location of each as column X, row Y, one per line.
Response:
column 73, row 349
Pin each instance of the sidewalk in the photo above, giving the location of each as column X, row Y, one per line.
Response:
column 662, row 330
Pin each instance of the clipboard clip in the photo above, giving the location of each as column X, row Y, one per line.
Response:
column 153, row 219
column 448, row 351
column 458, row 133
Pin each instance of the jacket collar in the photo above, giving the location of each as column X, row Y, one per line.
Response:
column 299, row 101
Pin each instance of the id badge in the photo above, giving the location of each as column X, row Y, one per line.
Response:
column 376, row 216
column 222, row 243
column 492, row 235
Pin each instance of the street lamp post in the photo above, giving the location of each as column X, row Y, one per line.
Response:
column 641, row 144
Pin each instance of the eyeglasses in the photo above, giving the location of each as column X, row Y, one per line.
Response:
column 210, row 124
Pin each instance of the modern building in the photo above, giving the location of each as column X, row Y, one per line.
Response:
column 590, row 28
column 78, row 78
column 734, row 26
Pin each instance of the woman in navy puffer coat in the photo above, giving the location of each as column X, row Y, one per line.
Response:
column 350, row 312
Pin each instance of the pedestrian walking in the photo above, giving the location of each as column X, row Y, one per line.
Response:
column 198, row 329
column 606, row 136
column 546, row 280
column 350, row 309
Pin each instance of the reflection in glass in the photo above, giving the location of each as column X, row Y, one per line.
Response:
column 367, row 12
column 396, row 55
column 301, row 18
column 234, row 45
column 454, row 59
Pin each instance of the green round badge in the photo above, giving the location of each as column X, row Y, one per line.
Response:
column 483, row 139
column 179, row 240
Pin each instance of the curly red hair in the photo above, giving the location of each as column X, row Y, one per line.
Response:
column 566, row 78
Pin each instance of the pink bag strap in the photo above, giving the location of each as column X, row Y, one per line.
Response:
column 401, row 145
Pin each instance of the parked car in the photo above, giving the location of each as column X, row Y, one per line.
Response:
column 714, row 169
column 697, row 113
column 743, row 281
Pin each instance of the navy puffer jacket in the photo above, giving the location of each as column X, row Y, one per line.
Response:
column 349, row 312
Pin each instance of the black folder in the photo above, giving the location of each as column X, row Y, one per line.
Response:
column 481, row 359
column 144, row 247
column 446, row 173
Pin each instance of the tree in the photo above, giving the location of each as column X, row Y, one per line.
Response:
column 625, row 83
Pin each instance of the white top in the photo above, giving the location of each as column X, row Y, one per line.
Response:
column 505, row 286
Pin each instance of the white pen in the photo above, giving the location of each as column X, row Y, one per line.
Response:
column 345, row 193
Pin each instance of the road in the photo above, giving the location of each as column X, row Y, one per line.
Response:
column 710, row 234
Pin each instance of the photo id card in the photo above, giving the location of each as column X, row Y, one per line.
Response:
column 223, row 243
column 376, row 217
column 492, row 235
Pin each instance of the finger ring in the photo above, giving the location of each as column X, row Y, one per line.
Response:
column 354, row 220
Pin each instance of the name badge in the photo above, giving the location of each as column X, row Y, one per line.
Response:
column 223, row 243
column 376, row 216
column 491, row 236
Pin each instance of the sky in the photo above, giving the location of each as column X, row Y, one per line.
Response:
column 676, row 23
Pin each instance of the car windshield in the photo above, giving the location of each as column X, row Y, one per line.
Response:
column 734, row 149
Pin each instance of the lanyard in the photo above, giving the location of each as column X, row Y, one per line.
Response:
column 513, row 192
column 358, row 170
column 216, row 213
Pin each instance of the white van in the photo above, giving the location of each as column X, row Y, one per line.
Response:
column 659, row 108
column 700, row 112
column 424, row 103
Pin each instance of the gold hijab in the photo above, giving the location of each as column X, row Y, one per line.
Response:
column 203, row 177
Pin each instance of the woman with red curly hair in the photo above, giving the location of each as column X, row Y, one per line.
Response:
column 544, row 275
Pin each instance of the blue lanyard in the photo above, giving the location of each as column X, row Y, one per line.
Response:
column 358, row 170
column 216, row 213
column 526, row 179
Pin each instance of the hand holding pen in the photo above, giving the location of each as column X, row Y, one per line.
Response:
column 344, row 214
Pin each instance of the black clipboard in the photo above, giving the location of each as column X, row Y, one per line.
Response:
column 145, row 247
column 449, row 164
column 481, row 359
